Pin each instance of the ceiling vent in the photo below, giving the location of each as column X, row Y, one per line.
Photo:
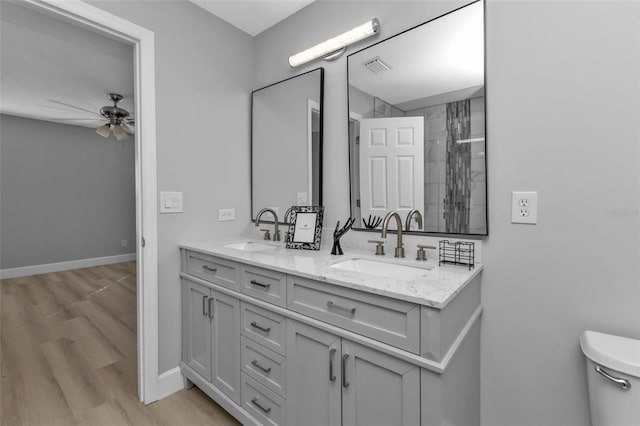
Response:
column 376, row 65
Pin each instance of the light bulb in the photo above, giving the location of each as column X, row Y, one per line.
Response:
column 104, row 130
column 119, row 132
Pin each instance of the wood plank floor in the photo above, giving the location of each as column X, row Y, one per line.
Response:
column 68, row 354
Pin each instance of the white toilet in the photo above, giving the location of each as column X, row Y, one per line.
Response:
column 613, row 374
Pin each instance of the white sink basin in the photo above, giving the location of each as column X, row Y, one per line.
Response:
column 385, row 269
column 249, row 246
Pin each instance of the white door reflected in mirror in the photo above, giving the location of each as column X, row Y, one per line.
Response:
column 391, row 165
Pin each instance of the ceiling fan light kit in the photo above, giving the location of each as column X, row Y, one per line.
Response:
column 104, row 130
column 118, row 119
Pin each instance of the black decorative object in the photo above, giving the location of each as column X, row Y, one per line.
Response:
column 458, row 253
column 305, row 227
column 373, row 222
column 339, row 233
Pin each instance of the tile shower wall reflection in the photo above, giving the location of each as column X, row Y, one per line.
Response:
column 454, row 173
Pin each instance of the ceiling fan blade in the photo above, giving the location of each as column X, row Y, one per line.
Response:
column 127, row 128
column 97, row 116
column 77, row 119
column 75, row 107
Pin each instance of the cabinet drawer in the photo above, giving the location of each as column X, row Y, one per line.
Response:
column 387, row 320
column 264, row 327
column 218, row 271
column 267, row 407
column 264, row 284
column 264, row 366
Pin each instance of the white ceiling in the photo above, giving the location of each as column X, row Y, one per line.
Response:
column 252, row 16
column 451, row 57
column 47, row 63
column 55, row 71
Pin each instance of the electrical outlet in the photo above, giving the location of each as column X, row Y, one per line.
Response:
column 123, row 243
column 524, row 207
column 226, row 215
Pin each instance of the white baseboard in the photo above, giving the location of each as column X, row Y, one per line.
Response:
column 169, row 382
column 65, row 266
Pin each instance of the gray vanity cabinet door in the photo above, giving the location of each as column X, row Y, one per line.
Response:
column 196, row 328
column 313, row 376
column 378, row 389
column 225, row 344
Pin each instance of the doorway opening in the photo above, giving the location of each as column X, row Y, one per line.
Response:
column 99, row 21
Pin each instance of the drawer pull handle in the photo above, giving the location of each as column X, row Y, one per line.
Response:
column 258, row 366
column 332, row 305
column 259, row 327
column 204, row 306
column 259, row 284
column 209, row 269
column 255, row 402
column 332, row 378
column 623, row 383
column 345, row 382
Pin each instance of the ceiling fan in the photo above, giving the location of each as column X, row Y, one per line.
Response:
column 118, row 120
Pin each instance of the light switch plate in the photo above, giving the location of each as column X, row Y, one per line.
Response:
column 524, row 207
column 170, row 202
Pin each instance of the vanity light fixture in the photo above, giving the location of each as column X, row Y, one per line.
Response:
column 470, row 140
column 334, row 47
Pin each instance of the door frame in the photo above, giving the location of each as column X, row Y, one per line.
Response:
column 77, row 12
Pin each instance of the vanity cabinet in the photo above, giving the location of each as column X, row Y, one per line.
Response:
column 274, row 348
column 211, row 336
column 352, row 384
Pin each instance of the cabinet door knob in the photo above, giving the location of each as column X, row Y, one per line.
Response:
column 332, row 305
column 259, row 284
column 255, row 402
column 266, row 370
column 332, row 378
column 259, row 327
column 345, row 382
column 204, row 306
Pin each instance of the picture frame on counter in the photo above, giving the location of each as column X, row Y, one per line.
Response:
column 305, row 227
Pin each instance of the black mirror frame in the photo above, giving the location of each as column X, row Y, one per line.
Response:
column 320, row 142
column 436, row 234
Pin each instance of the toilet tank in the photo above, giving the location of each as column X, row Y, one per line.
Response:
column 613, row 376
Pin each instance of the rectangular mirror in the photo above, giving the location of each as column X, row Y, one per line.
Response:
column 417, row 127
column 286, row 144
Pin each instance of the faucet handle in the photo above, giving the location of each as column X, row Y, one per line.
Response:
column 421, row 254
column 379, row 247
column 267, row 235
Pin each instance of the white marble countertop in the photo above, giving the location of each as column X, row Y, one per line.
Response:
column 435, row 288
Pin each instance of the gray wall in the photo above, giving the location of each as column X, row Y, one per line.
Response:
column 66, row 193
column 204, row 70
column 563, row 104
